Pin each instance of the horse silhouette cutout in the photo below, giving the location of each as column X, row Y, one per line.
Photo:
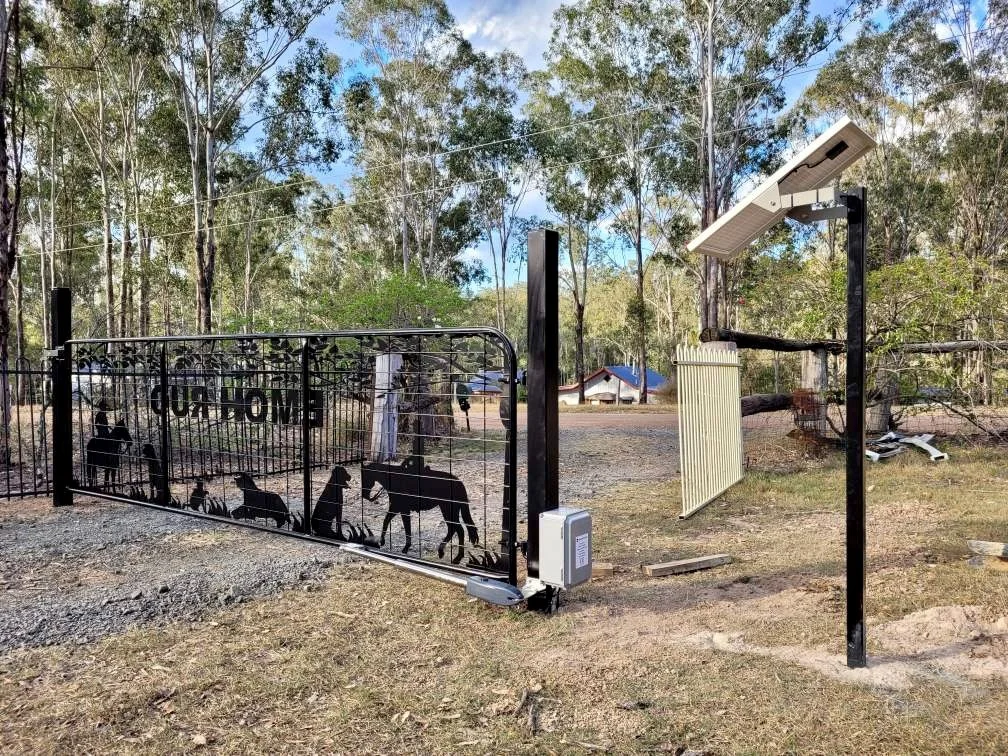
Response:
column 104, row 451
column 258, row 503
column 410, row 488
column 327, row 515
column 155, row 473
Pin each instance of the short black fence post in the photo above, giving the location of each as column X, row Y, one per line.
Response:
column 857, row 233
column 542, row 382
column 164, row 491
column 62, row 454
column 306, row 455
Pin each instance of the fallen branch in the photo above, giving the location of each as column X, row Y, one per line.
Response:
column 744, row 340
column 772, row 343
column 758, row 403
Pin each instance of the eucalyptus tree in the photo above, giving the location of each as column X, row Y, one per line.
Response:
column 258, row 239
column 620, row 63
column 577, row 181
column 12, row 139
column 493, row 157
column 401, row 112
column 936, row 103
column 238, row 71
column 83, row 43
column 739, row 58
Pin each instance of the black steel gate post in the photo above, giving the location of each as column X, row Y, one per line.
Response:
column 857, row 234
column 509, row 538
column 306, row 455
column 164, row 492
column 542, row 380
column 62, row 454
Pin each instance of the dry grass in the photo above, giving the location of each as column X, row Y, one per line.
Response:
column 733, row 660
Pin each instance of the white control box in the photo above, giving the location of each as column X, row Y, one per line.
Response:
column 565, row 547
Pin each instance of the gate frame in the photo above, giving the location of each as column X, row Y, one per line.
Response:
column 64, row 491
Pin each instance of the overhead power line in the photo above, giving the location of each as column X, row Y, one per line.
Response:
column 483, row 145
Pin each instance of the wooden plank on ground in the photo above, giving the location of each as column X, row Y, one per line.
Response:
column 603, row 569
column 686, row 565
column 988, row 548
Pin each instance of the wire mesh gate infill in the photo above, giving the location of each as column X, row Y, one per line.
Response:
column 389, row 439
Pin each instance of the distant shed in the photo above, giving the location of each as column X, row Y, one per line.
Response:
column 612, row 384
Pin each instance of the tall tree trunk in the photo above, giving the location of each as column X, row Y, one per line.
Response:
column 11, row 141
column 125, row 276
column 206, row 277
column 52, row 212
column 641, row 305
column 144, row 240
column 710, row 278
column 43, row 231
column 404, row 229
column 247, row 304
column 110, row 325
column 19, row 333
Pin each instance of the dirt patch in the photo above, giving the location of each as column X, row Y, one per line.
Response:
column 959, row 640
column 201, row 538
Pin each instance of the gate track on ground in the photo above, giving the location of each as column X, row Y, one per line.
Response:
column 95, row 569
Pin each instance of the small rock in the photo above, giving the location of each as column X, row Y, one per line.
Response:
column 302, row 576
column 199, row 740
column 975, row 635
column 163, row 588
column 136, row 595
column 633, row 705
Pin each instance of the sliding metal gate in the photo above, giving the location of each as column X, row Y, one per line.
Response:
column 390, row 439
column 710, row 423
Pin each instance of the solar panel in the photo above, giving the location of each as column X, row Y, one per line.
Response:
column 812, row 168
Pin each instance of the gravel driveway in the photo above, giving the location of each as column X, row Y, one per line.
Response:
column 79, row 573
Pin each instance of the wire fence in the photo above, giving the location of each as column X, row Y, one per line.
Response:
column 951, row 399
column 25, row 430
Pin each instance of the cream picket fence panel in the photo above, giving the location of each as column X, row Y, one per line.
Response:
column 710, row 423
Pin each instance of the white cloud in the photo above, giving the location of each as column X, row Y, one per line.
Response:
column 523, row 26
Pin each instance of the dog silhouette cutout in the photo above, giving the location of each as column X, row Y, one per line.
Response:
column 155, row 472
column 198, row 498
column 327, row 516
column 257, row 503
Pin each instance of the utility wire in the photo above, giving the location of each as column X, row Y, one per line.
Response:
column 467, row 148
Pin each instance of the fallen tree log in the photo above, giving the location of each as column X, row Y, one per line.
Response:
column 773, row 343
column 948, row 347
column 744, row 340
column 758, row 403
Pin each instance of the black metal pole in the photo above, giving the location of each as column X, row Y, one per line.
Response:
column 164, row 491
column 62, row 456
column 542, row 376
column 857, row 234
column 306, row 435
